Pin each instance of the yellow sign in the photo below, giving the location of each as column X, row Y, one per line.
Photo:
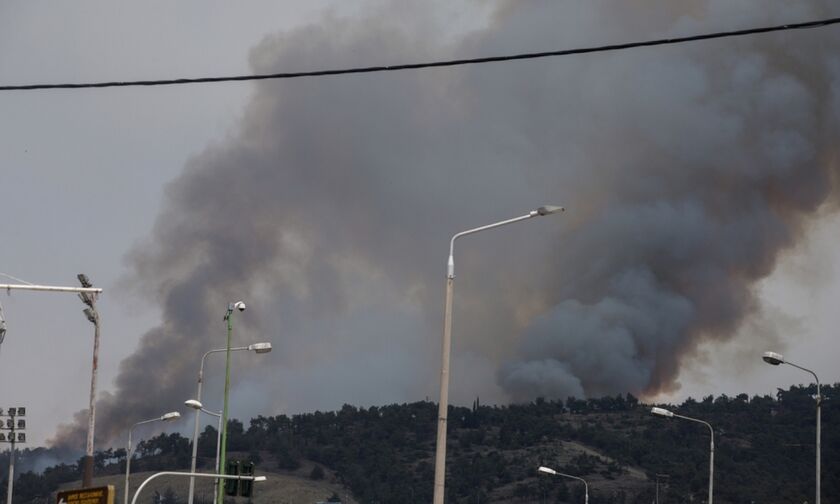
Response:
column 99, row 495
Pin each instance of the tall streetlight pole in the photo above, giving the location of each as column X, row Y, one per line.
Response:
column 239, row 305
column 443, row 404
column 776, row 359
column 547, row 470
column 670, row 414
column 255, row 347
column 166, row 417
column 199, row 408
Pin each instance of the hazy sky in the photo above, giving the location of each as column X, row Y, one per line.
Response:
column 85, row 174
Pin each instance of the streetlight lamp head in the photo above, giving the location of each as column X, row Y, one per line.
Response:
column 549, row 209
column 773, row 358
column 259, row 478
column 172, row 415
column 192, row 403
column 260, row 347
column 546, row 470
column 239, row 305
column 661, row 412
column 90, row 314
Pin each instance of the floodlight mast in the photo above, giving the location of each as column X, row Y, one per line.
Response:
column 88, row 294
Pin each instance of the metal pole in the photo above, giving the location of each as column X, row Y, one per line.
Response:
column 195, row 431
column 711, row 464
column 127, row 464
column 218, row 446
column 195, row 439
column 657, row 489
column 51, row 288
column 11, row 485
column 711, row 453
column 819, row 408
column 87, row 480
column 223, row 440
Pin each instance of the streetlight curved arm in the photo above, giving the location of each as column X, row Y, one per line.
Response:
column 204, row 357
column 816, row 378
column 543, row 210
column 707, row 424
column 191, row 475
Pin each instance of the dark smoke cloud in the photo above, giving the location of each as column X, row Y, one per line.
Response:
column 687, row 171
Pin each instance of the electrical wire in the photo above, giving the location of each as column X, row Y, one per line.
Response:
column 16, row 279
column 432, row 64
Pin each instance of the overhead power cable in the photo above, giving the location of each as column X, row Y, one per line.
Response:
column 431, row 64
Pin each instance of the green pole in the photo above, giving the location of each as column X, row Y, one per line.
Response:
column 220, row 494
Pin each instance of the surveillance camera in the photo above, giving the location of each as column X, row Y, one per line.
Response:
column 239, row 305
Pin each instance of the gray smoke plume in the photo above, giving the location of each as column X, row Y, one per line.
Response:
column 687, row 171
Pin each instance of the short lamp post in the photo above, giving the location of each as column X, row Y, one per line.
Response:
column 259, row 348
column 547, row 470
column 776, row 359
column 167, row 417
column 15, row 425
column 199, row 408
column 662, row 412
column 443, row 403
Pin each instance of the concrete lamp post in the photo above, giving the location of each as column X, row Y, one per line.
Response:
column 443, row 403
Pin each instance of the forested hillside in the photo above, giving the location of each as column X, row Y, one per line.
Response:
column 764, row 451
